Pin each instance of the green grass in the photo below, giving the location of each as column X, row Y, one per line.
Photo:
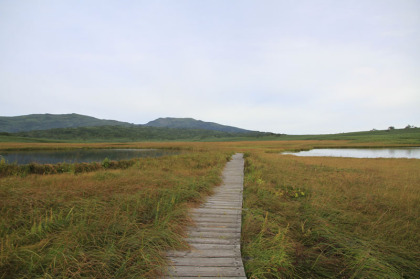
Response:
column 13, row 138
column 397, row 136
column 134, row 133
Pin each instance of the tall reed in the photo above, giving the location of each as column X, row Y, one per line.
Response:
column 103, row 224
column 338, row 217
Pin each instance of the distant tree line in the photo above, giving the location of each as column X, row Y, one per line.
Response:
column 134, row 133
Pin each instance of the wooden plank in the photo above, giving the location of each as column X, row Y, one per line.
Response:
column 211, row 220
column 208, row 277
column 202, row 271
column 223, row 253
column 219, row 211
column 204, row 246
column 192, row 261
column 220, row 199
column 217, row 220
column 222, row 203
column 214, row 215
column 218, row 225
column 216, row 206
column 208, row 212
column 212, row 240
column 197, row 217
column 210, row 229
column 221, row 235
column 227, row 200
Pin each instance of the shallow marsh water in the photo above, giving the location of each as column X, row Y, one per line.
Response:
column 407, row 152
column 80, row 155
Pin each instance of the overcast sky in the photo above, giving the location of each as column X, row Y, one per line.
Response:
column 285, row 66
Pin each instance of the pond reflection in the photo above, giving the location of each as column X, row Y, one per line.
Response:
column 80, row 155
column 408, row 152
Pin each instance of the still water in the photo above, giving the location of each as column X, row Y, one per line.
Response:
column 409, row 152
column 80, row 155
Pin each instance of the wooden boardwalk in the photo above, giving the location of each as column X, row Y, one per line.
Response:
column 215, row 238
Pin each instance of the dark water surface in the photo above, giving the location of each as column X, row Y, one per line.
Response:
column 80, row 155
column 406, row 152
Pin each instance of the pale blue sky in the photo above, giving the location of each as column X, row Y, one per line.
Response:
column 292, row 67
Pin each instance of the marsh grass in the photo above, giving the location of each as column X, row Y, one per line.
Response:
column 304, row 217
column 7, row 169
column 103, row 224
column 332, row 217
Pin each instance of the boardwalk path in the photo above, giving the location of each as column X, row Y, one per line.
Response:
column 215, row 238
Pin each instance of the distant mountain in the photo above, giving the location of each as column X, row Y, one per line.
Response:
column 35, row 122
column 51, row 121
column 190, row 123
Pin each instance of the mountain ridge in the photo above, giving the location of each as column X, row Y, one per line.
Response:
column 34, row 122
column 191, row 123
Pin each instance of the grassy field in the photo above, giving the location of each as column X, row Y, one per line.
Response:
column 104, row 224
column 304, row 217
column 396, row 136
column 331, row 217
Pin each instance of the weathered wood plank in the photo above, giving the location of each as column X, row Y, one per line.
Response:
column 195, row 253
column 234, row 205
column 204, row 246
column 192, row 261
column 226, row 200
column 218, row 211
column 221, row 235
column 217, row 220
column 213, row 213
column 202, row 271
column 218, row 225
column 222, row 207
column 210, row 229
column 212, row 240
column 208, row 277
column 214, row 219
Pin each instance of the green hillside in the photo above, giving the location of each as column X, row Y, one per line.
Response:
column 398, row 136
column 50, row 121
column 190, row 123
column 146, row 133
column 133, row 133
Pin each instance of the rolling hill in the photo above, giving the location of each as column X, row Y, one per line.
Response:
column 47, row 121
column 75, row 127
column 34, row 122
column 190, row 123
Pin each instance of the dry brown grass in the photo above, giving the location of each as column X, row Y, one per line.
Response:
column 304, row 218
column 341, row 217
column 104, row 224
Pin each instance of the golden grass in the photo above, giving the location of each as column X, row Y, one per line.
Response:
column 104, row 224
column 242, row 146
column 338, row 217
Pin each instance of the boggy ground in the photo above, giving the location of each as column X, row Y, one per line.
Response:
column 312, row 217
column 103, row 224
column 304, row 217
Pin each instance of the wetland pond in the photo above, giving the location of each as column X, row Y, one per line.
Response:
column 79, row 155
column 403, row 152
